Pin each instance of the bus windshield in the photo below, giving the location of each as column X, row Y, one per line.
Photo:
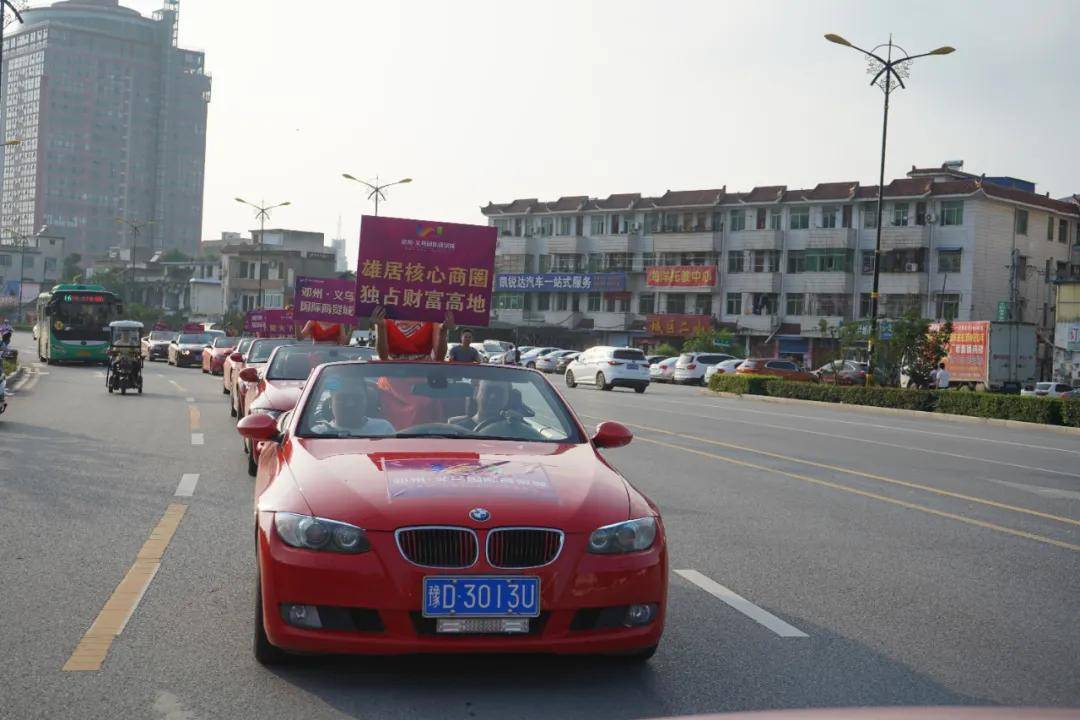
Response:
column 82, row 316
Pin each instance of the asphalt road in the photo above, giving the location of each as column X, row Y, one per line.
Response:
column 823, row 557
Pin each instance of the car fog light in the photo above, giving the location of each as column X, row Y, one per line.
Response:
column 640, row 614
column 305, row 616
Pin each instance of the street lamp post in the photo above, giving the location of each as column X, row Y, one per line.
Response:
column 262, row 212
column 136, row 228
column 886, row 70
column 376, row 190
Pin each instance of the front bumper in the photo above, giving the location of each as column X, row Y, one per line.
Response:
column 183, row 360
column 382, row 584
column 157, row 352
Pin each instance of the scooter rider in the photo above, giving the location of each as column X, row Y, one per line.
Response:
column 5, row 333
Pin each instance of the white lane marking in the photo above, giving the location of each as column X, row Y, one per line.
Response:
column 159, row 375
column 196, row 438
column 1040, row 490
column 168, row 707
column 142, row 591
column 747, row 608
column 189, row 399
column 897, row 428
column 99, row 374
column 847, row 438
column 186, row 488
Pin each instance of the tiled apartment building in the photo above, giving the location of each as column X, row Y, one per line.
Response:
column 771, row 263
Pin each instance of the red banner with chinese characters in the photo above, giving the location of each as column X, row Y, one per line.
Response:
column 677, row 325
column 681, row 275
column 418, row 269
column 969, row 346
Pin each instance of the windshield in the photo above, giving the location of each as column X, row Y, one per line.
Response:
column 493, row 347
column 161, row 335
column 200, row 339
column 83, row 317
column 1044, row 386
column 295, row 362
column 426, row 400
column 244, row 345
column 261, row 349
column 224, row 342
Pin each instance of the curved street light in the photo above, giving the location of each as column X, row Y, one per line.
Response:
column 886, row 70
column 262, row 212
column 376, row 190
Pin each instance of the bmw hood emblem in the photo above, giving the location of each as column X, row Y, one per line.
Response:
column 479, row 514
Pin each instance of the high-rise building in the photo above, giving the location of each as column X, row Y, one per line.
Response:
column 341, row 260
column 111, row 119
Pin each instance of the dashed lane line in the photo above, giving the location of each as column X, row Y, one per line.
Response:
column 197, row 439
column 186, row 488
column 738, row 602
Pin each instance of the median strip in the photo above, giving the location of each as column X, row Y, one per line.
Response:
column 114, row 616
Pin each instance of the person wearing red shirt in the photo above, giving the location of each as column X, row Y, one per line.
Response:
column 325, row 332
column 409, row 340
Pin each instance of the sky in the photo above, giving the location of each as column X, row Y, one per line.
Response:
column 480, row 100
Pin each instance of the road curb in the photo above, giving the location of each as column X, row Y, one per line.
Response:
column 16, row 377
column 1014, row 424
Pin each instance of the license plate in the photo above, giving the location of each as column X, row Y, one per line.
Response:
column 470, row 596
column 631, row 366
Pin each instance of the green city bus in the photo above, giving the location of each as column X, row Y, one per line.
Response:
column 73, row 323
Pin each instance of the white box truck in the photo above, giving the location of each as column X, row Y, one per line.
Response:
column 996, row 356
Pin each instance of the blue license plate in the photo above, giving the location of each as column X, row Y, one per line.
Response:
column 492, row 596
column 631, row 366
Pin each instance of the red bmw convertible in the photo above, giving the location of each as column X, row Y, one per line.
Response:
column 417, row 507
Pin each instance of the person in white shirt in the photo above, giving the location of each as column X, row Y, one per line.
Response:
column 941, row 380
column 348, row 409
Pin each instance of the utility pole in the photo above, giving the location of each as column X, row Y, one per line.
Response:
column 262, row 212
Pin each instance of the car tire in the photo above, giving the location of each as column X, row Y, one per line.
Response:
column 224, row 390
column 601, row 382
column 205, row 371
column 253, row 464
column 570, row 379
column 232, row 409
column 640, row 389
column 530, row 365
column 265, row 652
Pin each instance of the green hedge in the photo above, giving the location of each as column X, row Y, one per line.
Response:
column 1047, row 411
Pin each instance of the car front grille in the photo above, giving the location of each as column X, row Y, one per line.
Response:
column 438, row 547
column 515, row 548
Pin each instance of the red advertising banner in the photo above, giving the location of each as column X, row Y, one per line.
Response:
column 677, row 325
column 419, row 269
column 969, row 346
column 325, row 299
column 681, row 275
column 269, row 323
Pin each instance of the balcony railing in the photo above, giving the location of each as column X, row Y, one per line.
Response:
column 904, row 236
column 756, row 239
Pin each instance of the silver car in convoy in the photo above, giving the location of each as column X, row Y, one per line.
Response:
column 550, row 363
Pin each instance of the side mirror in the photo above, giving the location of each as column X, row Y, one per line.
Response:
column 612, row 435
column 258, row 427
column 250, row 374
column 236, row 357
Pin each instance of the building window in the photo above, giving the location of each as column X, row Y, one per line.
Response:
column 597, row 224
column 1021, row 222
column 799, row 218
column 5, row 261
column 646, row 304
column 1050, row 229
column 760, row 219
column 736, row 261
column 830, row 304
column 765, row 260
column 1063, row 232
column 796, row 261
column 273, row 299
column 718, row 222
column 28, row 261
column 675, row 303
column 910, row 260
column 50, row 264
column 920, row 213
column 895, row 306
column 776, row 219
column 828, row 216
column 952, row 212
column 547, row 227
column 508, row 301
column 562, row 301
column 703, row 304
column 845, row 217
column 867, row 264
column 738, row 220
column 900, row 214
column 565, row 223
column 575, row 302
column 948, row 261
column 765, row 303
column 869, row 215
column 734, row 304
column 543, row 302
column 651, row 223
column 594, row 302
column 795, row 305
column 947, row 306
column 865, row 305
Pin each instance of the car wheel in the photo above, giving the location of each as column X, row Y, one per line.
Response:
column 640, row 389
column 530, row 365
column 224, row 390
column 232, row 409
column 570, row 379
column 265, row 653
column 205, row 371
column 601, row 384
column 253, row 464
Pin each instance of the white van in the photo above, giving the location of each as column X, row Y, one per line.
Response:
column 608, row 367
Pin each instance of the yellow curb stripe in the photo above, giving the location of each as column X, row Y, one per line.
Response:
column 875, row 496
column 94, row 646
column 860, row 473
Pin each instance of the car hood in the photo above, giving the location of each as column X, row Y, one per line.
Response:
column 281, row 394
column 387, row 484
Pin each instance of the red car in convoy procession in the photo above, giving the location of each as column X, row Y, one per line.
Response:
column 214, row 356
column 256, row 356
column 234, row 363
column 419, row 507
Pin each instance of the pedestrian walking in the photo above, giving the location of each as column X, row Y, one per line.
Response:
column 941, row 379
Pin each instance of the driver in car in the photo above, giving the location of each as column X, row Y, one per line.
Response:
column 492, row 399
column 348, row 415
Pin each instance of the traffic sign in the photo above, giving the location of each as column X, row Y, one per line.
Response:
column 1003, row 310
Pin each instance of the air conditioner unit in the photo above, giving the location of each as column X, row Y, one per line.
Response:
column 912, row 267
column 636, row 227
column 931, row 218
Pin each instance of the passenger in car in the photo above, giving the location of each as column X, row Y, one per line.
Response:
column 492, row 399
column 349, row 415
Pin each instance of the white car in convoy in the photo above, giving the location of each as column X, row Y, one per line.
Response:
column 663, row 371
column 727, row 367
column 1050, row 389
column 607, row 367
column 690, row 367
column 548, row 363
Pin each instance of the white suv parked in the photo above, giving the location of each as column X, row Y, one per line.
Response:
column 608, row 367
column 690, row 367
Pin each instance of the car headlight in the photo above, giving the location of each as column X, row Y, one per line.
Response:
column 268, row 411
column 185, row 352
column 624, row 537
column 315, row 533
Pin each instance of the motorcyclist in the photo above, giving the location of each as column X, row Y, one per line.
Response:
column 5, row 333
